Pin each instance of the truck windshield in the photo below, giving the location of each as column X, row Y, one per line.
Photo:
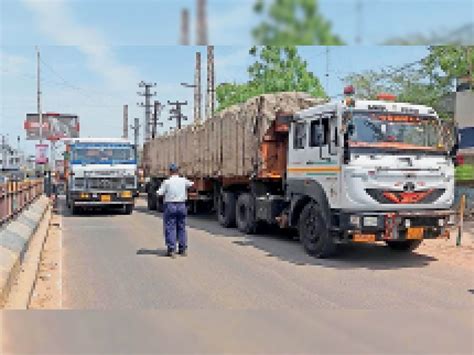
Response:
column 103, row 154
column 395, row 131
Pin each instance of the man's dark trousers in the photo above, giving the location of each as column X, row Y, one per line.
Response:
column 175, row 225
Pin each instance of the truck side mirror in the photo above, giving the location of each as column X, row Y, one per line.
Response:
column 317, row 135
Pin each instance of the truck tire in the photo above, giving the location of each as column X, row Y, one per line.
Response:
column 245, row 214
column 404, row 245
column 129, row 209
column 151, row 201
column 160, row 205
column 314, row 234
column 226, row 209
column 74, row 209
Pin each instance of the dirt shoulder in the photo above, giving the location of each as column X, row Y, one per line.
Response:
column 47, row 290
column 445, row 250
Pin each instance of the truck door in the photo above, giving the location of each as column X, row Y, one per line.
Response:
column 315, row 154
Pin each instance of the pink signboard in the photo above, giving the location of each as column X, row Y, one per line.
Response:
column 41, row 154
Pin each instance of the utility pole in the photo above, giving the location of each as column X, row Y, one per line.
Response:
column 4, row 153
column 125, row 122
column 201, row 23
column 359, row 22
column 471, row 79
column 176, row 113
column 184, row 27
column 327, row 70
column 211, row 92
column 156, row 113
column 38, row 95
column 136, row 134
column 147, row 104
column 197, row 89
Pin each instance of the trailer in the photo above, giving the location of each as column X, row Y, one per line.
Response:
column 336, row 172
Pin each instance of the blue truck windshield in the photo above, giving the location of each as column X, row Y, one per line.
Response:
column 103, row 154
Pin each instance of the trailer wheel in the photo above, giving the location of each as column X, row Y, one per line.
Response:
column 245, row 214
column 313, row 230
column 129, row 209
column 405, row 245
column 151, row 201
column 226, row 209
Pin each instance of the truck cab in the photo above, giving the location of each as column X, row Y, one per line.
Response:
column 101, row 172
column 366, row 171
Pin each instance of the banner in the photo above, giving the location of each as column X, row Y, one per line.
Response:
column 55, row 126
column 41, row 154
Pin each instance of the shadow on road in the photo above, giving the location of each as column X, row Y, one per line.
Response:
column 285, row 246
column 64, row 211
column 156, row 252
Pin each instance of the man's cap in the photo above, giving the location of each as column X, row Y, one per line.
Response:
column 173, row 167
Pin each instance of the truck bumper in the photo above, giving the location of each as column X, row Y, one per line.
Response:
column 91, row 199
column 393, row 226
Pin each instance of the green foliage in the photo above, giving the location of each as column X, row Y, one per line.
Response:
column 424, row 82
column 293, row 22
column 276, row 69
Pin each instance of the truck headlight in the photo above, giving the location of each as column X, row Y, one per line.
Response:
column 355, row 221
column 407, row 223
column 370, row 221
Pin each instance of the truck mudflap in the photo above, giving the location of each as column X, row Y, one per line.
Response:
column 394, row 226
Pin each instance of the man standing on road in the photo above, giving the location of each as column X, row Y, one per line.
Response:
column 174, row 190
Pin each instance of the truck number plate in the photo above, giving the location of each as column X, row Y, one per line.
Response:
column 105, row 198
column 415, row 233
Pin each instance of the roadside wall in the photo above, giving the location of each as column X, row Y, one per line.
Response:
column 14, row 240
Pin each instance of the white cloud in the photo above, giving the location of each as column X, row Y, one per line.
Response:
column 232, row 24
column 12, row 64
column 233, row 65
column 57, row 22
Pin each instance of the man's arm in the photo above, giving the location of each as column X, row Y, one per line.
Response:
column 162, row 190
column 189, row 183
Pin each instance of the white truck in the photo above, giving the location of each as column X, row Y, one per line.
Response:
column 339, row 172
column 100, row 172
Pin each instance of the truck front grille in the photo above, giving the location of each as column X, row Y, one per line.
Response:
column 110, row 184
column 401, row 197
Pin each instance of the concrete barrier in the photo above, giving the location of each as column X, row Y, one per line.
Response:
column 14, row 240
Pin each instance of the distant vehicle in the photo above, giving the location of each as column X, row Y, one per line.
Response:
column 339, row 172
column 99, row 173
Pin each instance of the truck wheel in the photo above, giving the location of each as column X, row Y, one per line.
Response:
column 245, row 214
column 151, row 201
column 160, row 206
column 313, row 230
column 74, row 210
column 226, row 209
column 129, row 209
column 404, row 245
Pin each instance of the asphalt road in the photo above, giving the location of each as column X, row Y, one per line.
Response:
column 238, row 293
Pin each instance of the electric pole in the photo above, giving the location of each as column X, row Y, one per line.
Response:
column 156, row 114
column 201, row 23
column 38, row 95
column 197, row 89
column 327, row 70
column 211, row 92
column 125, row 122
column 176, row 112
column 136, row 134
column 184, row 27
column 147, row 104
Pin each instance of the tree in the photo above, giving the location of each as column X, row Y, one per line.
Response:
column 426, row 81
column 275, row 69
column 293, row 22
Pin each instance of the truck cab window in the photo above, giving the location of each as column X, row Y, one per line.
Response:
column 319, row 133
column 299, row 136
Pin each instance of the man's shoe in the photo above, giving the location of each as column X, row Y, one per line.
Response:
column 171, row 253
column 183, row 252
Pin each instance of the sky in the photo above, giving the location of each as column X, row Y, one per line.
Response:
column 95, row 52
